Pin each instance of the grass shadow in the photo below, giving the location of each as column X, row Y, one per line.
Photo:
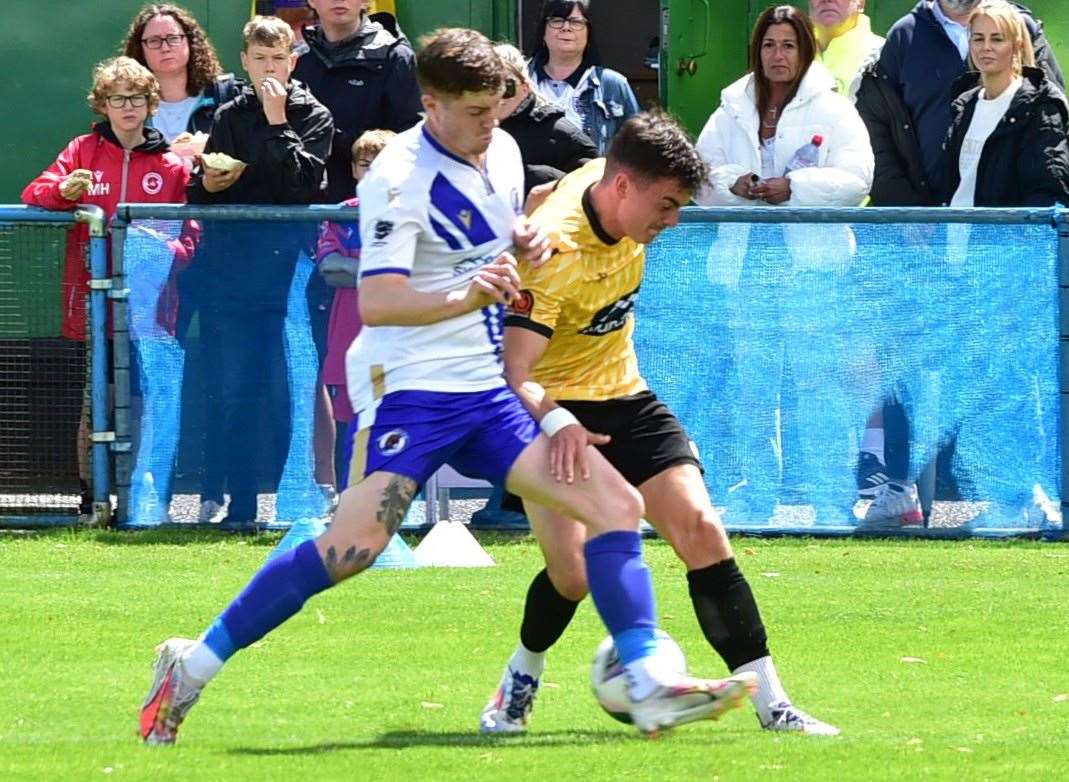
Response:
column 407, row 739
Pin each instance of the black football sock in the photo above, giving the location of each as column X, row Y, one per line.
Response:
column 546, row 614
column 728, row 614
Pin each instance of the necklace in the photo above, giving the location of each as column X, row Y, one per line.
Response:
column 770, row 123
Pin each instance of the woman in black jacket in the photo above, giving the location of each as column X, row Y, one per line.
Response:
column 1007, row 143
column 550, row 143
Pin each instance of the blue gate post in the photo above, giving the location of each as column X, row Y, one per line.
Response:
column 121, row 362
column 1062, row 223
column 98, row 324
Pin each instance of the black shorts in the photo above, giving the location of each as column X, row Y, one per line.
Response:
column 647, row 438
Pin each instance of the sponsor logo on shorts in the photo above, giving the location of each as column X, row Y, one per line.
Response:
column 393, row 442
column 522, row 305
column 611, row 318
column 152, row 183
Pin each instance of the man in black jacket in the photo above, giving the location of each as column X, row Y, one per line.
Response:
column 364, row 73
column 282, row 137
column 905, row 97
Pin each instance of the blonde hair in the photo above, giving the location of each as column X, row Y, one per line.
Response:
column 370, row 144
column 1010, row 23
column 267, row 31
column 122, row 70
column 516, row 68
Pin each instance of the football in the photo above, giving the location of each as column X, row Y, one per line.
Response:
column 609, row 680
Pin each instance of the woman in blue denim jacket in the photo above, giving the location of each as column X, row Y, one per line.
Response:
column 566, row 70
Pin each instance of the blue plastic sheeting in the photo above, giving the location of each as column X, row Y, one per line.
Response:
column 775, row 343
column 159, row 357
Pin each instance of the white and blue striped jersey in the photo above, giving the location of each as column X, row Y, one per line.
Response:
column 436, row 218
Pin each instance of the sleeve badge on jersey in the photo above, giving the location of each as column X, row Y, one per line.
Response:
column 522, row 305
column 383, row 228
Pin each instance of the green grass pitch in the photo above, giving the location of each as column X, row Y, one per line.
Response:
column 938, row 661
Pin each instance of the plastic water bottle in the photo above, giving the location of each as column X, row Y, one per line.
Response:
column 806, row 157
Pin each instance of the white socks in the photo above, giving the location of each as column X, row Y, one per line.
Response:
column 528, row 663
column 769, row 689
column 872, row 442
column 200, row 663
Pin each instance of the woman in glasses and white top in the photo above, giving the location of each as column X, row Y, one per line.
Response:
column 566, row 69
column 168, row 41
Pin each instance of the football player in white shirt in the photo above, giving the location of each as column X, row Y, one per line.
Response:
column 439, row 211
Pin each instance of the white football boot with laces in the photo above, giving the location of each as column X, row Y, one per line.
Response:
column 510, row 708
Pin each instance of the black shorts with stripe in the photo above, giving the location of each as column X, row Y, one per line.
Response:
column 647, row 438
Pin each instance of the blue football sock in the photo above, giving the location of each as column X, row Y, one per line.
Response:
column 275, row 594
column 622, row 590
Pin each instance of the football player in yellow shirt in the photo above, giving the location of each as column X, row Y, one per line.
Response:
column 570, row 359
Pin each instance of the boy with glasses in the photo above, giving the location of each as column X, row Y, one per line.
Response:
column 120, row 160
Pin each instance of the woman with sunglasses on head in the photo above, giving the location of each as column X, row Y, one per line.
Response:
column 566, row 69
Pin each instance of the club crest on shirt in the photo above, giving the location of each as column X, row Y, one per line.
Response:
column 465, row 217
column 152, row 183
column 393, row 442
column 522, row 305
column 612, row 317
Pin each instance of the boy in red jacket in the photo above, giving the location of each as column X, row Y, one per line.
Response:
column 121, row 160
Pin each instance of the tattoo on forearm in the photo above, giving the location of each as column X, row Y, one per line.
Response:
column 352, row 562
column 396, row 498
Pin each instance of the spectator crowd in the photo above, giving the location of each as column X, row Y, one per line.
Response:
column 961, row 105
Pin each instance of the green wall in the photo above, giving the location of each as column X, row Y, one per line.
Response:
column 494, row 18
column 51, row 47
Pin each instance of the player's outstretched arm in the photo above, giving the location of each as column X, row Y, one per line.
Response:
column 389, row 300
column 568, row 439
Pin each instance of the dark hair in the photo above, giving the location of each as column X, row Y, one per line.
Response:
column 652, row 145
column 807, row 47
column 455, row 60
column 563, row 9
column 203, row 67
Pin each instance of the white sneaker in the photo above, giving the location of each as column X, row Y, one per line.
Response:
column 689, row 699
column 785, row 717
column 211, row 512
column 171, row 696
column 510, row 708
column 896, row 506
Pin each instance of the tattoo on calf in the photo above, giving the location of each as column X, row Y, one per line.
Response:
column 396, row 498
column 352, row 562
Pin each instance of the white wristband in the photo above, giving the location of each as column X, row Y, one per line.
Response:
column 555, row 420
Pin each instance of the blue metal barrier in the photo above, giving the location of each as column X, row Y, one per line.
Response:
column 101, row 435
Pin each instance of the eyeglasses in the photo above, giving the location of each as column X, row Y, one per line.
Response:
column 559, row 23
column 157, row 42
column 118, row 101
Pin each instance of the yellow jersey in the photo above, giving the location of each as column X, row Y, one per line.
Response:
column 583, row 299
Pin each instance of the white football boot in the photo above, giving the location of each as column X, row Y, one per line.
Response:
column 787, row 718
column 171, row 696
column 688, row 699
column 510, row 708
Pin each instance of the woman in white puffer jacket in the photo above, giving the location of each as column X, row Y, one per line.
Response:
column 784, row 283
column 733, row 139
